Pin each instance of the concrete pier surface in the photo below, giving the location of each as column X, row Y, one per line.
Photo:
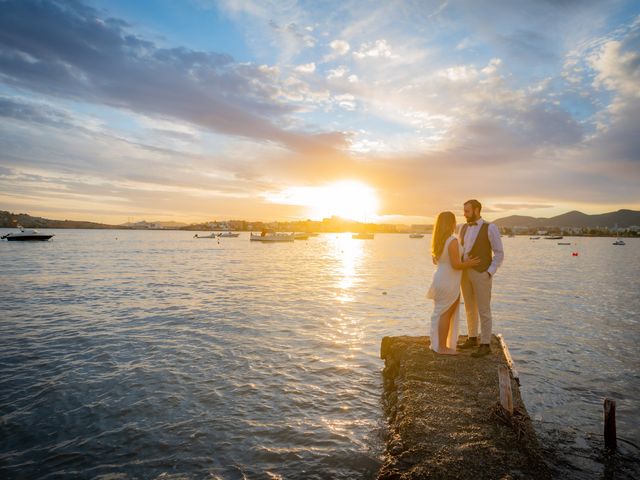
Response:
column 445, row 419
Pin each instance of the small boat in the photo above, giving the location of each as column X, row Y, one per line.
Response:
column 27, row 235
column 554, row 237
column 228, row 235
column 301, row 236
column 564, row 243
column 211, row 235
column 416, row 235
column 362, row 236
column 619, row 242
column 534, row 238
column 272, row 237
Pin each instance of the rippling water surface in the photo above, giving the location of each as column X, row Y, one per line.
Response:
column 148, row 352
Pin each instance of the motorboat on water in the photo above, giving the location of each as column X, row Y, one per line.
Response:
column 554, row 237
column 27, row 235
column 564, row 243
column 534, row 238
column 362, row 236
column 619, row 242
column 228, row 235
column 211, row 235
column 416, row 235
column 272, row 237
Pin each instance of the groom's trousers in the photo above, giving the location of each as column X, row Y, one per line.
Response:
column 476, row 291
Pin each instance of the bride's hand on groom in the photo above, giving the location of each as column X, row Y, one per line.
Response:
column 471, row 262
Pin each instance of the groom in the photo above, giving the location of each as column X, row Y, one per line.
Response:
column 479, row 239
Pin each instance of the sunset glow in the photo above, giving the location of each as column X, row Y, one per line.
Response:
column 348, row 199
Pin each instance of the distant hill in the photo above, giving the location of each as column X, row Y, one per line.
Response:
column 621, row 218
column 12, row 220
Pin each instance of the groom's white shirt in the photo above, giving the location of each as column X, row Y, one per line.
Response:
column 494, row 239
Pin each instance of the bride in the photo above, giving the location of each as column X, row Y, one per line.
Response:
column 445, row 287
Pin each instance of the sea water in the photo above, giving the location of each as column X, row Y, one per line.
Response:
column 152, row 353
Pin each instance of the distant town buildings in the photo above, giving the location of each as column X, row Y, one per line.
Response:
column 633, row 230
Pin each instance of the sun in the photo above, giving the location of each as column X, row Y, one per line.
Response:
column 349, row 199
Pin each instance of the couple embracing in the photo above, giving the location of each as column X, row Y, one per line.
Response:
column 468, row 263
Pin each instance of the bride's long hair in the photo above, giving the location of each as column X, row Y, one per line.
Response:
column 445, row 226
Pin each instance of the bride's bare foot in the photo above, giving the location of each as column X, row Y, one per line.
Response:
column 448, row 351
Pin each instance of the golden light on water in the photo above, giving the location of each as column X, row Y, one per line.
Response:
column 350, row 254
column 349, row 199
column 347, row 329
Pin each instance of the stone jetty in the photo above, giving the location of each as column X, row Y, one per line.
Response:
column 445, row 419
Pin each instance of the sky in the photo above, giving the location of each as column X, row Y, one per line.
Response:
column 390, row 111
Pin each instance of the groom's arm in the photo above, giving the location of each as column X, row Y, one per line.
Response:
column 496, row 246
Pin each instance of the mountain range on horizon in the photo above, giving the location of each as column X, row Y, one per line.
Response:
column 621, row 218
column 575, row 219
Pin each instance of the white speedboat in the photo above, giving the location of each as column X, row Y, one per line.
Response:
column 228, row 235
column 272, row 237
column 27, row 235
column 534, row 238
column 619, row 242
column 362, row 236
column 554, row 237
column 416, row 235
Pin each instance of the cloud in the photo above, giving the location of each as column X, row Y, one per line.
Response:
column 378, row 49
column 68, row 50
column 529, row 46
column 346, row 101
column 293, row 32
column 337, row 72
column 618, row 67
column 340, row 47
column 306, row 68
column 33, row 113
column 521, row 206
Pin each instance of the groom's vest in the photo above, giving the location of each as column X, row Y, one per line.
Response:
column 481, row 248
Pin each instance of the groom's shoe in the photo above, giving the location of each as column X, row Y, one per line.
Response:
column 471, row 342
column 483, row 350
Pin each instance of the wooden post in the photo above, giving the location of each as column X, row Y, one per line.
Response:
column 506, row 396
column 610, row 442
column 507, row 356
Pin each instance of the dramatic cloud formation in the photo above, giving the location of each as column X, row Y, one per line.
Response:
column 531, row 106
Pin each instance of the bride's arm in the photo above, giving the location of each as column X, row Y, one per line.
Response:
column 454, row 257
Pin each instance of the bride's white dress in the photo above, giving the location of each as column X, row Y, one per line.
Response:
column 445, row 290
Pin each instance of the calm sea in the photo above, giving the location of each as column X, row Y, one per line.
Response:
column 142, row 353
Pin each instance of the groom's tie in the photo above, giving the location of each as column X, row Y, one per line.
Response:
column 472, row 224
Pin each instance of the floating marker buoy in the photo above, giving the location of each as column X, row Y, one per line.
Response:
column 575, row 254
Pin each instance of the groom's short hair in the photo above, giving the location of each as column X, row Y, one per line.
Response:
column 474, row 204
